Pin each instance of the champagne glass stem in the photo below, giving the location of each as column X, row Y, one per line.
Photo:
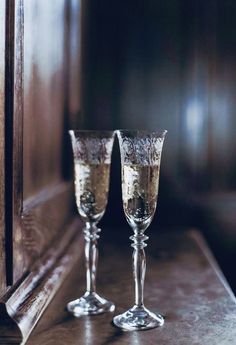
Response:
column 139, row 266
column 91, row 255
column 90, row 303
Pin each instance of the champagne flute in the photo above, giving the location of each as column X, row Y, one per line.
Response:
column 140, row 160
column 92, row 158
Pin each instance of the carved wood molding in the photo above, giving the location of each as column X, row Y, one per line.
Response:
column 43, row 218
column 22, row 306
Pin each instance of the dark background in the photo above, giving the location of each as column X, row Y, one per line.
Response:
column 171, row 65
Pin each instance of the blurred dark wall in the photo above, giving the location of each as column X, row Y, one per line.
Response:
column 169, row 64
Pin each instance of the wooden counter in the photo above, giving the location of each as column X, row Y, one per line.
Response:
column 183, row 283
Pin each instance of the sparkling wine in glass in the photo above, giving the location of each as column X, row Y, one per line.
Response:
column 92, row 158
column 140, row 160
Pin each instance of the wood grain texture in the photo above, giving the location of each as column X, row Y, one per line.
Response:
column 40, row 123
column 40, row 245
column 2, row 145
column 183, row 283
column 45, row 93
column 8, row 164
column 43, row 218
column 17, row 140
column 23, row 305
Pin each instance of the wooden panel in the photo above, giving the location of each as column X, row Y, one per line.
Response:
column 44, row 217
column 44, row 93
column 40, row 244
column 72, row 79
column 43, row 203
column 2, row 144
column 183, row 283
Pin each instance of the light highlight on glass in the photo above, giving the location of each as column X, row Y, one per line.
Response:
column 92, row 158
column 140, row 160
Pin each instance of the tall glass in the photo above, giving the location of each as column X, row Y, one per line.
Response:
column 92, row 158
column 140, row 160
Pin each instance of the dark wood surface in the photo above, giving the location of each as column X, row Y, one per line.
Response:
column 23, row 304
column 15, row 181
column 183, row 283
column 47, row 194
column 44, row 93
column 35, row 102
column 44, row 216
column 74, row 62
column 38, row 54
column 2, row 146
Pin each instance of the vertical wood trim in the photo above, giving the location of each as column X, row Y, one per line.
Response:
column 14, row 138
column 18, row 252
column 66, row 74
column 9, row 89
column 2, row 144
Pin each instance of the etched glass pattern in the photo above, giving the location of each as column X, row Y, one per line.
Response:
column 92, row 157
column 140, row 160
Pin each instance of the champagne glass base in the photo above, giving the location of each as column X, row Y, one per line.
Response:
column 137, row 319
column 90, row 304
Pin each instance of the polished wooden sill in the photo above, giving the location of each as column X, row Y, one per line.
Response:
column 183, row 283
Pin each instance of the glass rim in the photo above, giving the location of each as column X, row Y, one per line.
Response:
column 142, row 131
column 91, row 130
column 89, row 134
